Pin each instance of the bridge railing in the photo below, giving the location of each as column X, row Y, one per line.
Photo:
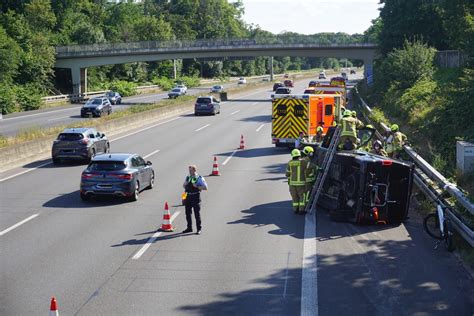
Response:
column 432, row 183
column 206, row 43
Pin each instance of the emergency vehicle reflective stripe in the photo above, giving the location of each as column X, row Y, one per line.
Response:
column 292, row 121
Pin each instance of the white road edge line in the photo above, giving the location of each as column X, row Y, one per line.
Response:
column 152, row 239
column 235, row 112
column 36, row 114
column 151, row 154
column 26, row 171
column 18, row 224
column 144, row 129
column 259, row 128
column 253, row 103
column 228, row 158
column 201, row 128
column 309, row 278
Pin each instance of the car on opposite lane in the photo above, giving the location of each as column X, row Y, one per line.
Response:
column 242, row 80
column 282, row 90
column 277, row 85
column 176, row 92
column 79, row 144
column 182, row 87
column 288, row 83
column 312, row 83
column 217, row 89
column 117, row 174
column 96, row 107
column 114, row 97
column 207, row 105
column 322, row 75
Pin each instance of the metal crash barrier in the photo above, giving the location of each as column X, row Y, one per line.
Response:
column 430, row 181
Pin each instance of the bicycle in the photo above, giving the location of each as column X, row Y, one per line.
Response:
column 438, row 226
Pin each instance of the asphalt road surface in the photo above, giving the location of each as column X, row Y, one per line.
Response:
column 106, row 257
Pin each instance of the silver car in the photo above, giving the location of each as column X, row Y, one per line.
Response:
column 217, row 89
column 79, row 144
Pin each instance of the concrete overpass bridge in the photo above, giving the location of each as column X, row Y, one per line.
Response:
column 79, row 57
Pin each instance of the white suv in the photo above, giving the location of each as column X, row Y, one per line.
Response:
column 242, row 80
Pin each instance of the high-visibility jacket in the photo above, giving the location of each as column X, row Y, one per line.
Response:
column 350, row 125
column 296, row 172
column 395, row 142
column 310, row 169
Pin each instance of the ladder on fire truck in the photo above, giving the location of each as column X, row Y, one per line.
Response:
column 318, row 184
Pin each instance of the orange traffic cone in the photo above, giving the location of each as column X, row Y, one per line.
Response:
column 215, row 168
column 242, row 146
column 53, row 309
column 166, row 226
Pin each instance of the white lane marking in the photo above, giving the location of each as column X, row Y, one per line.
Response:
column 235, row 112
column 18, row 224
column 26, row 171
column 36, row 114
column 201, row 128
column 259, row 128
column 152, row 239
column 254, row 103
column 228, row 158
column 150, row 154
column 58, row 118
column 309, row 278
column 144, row 129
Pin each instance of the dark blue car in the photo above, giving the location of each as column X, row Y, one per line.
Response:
column 123, row 175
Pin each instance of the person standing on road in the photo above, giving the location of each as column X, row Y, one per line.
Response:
column 193, row 185
column 295, row 172
column 311, row 169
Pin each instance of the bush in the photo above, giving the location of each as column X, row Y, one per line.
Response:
column 125, row 88
column 28, row 97
column 417, row 101
column 189, row 81
column 164, row 83
column 8, row 99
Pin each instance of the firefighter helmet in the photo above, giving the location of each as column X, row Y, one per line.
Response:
column 394, row 127
column 295, row 153
column 377, row 143
column 369, row 126
column 320, row 129
column 353, row 113
column 347, row 113
column 308, row 149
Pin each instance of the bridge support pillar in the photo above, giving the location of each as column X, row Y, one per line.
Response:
column 79, row 80
column 174, row 69
column 271, row 68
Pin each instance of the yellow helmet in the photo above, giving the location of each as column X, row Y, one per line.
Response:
column 347, row 113
column 369, row 126
column 394, row 127
column 354, row 113
column 308, row 149
column 319, row 129
column 295, row 153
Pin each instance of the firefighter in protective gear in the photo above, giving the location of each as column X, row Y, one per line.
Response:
column 318, row 138
column 295, row 172
column 349, row 125
column 354, row 114
column 311, row 169
column 377, row 149
column 394, row 142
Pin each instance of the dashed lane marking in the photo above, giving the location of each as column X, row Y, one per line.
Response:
column 201, row 128
column 151, row 154
column 228, row 158
column 18, row 224
column 259, row 128
column 152, row 239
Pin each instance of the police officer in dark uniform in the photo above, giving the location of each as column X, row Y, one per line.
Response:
column 193, row 185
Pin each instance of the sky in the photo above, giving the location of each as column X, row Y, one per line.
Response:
column 311, row 16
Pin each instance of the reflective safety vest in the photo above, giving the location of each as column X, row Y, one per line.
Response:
column 310, row 170
column 395, row 142
column 349, row 126
column 295, row 172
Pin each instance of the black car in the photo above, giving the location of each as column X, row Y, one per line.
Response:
column 277, row 85
column 96, row 107
column 207, row 105
column 114, row 97
column 312, row 83
column 365, row 188
column 123, row 175
column 79, row 144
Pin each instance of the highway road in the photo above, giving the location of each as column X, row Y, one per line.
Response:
column 254, row 257
column 14, row 123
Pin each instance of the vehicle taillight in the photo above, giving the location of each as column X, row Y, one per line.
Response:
column 387, row 162
column 89, row 175
column 125, row 176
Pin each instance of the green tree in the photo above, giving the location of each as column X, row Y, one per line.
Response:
column 10, row 54
column 40, row 15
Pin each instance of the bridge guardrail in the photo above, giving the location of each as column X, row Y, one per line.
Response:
column 465, row 231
